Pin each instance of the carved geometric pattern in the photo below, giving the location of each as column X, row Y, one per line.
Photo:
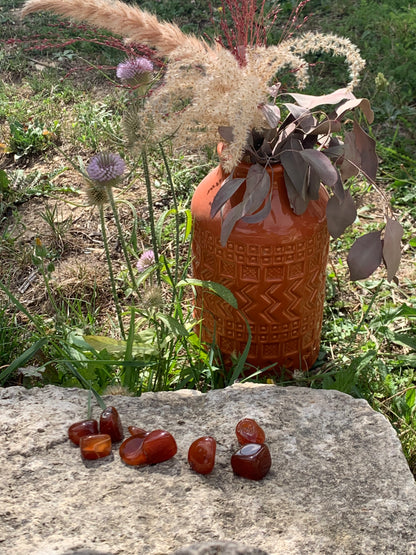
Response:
column 280, row 287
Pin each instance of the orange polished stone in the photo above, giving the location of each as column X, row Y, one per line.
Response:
column 248, row 431
column 139, row 432
column 110, row 424
column 159, row 446
column 82, row 428
column 95, row 446
column 252, row 461
column 131, row 451
column 201, row 454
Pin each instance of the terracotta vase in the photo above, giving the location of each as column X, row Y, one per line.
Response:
column 276, row 269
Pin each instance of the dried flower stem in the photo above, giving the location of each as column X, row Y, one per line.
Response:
column 117, row 17
column 249, row 25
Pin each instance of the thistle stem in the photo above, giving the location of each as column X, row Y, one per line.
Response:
column 151, row 213
column 177, row 229
column 110, row 271
column 122, row 240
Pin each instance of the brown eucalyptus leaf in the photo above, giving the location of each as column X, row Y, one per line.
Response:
column 310, row 101
column 304, row 192
column 367, row 149
column 322, row 164
column 310, row 141
column 340, row 214
column 271, row 114
column 326, row 127
column 314, row 184
column 365, row 255
column 227, row 133
column 334, row 152
column 307, row 122
column 266, row 148
column 229, row 222
column 295, row 168
column 284, row 136
column 296, row 111
column 299, row 118
column 360, row 155
column 260, row 215
column 257, row 188
column 268, row 135
column 339, row 190
column 363, row 103
column 297, row 203
column 393, row 234
column 351, row 161
column 226, row 191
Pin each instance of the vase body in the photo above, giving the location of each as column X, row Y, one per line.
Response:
column 276, row 269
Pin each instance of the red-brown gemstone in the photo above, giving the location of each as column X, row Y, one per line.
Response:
column 131, row 451
column 110, row 424
column 248, row 431
column 82, row 428
column 201, row 454
column 139, row 432
column 95, row 447
column 252, row 461
column 159, row 446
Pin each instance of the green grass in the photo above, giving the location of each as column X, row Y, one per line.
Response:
column 368, row 338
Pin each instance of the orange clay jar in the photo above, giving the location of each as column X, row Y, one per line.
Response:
column 276, row 269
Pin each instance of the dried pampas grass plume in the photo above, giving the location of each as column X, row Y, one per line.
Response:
column 117, row 17
column 205, row 87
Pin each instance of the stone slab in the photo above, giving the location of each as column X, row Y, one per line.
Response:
column 339, row 483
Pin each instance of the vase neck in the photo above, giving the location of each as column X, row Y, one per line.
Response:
column 275, row 172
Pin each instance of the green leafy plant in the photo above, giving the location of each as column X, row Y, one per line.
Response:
column 160, row 348
column 30, row 138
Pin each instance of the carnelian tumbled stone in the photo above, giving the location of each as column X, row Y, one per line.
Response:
column 139, row 432
column 201, row 454
column 83, row 428
column 159, row 446
column 110, row 424
column 95, row 447
column 131, row 451
column 248, row 431
column 252, row 461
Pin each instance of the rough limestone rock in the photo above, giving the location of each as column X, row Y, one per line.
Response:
column 339, row 483
column 219, row 548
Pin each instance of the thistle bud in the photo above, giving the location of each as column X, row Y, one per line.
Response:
column 135, row 72
column 105, row 169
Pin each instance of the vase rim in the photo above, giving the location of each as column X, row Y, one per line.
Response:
column 277, row 167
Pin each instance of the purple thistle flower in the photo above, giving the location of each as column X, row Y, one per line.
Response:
column 134, row 68
column 146, row 260
column 106, row 168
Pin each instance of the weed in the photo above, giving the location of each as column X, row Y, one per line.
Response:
column 18, row 186
column 95, row 124
column 30, row 138
column 58, row 227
